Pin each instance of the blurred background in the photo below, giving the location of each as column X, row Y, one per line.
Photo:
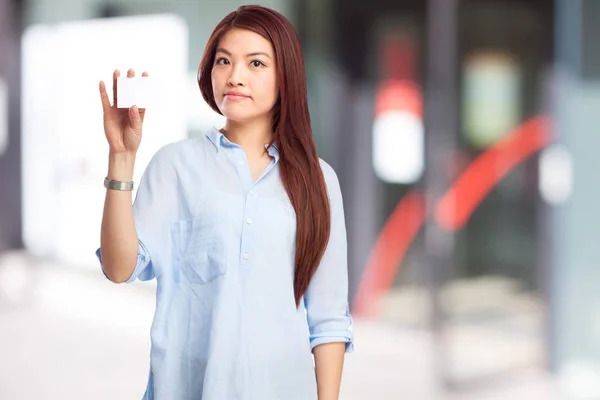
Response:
column 465, row 136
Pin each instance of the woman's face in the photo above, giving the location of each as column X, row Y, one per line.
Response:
column 244, row 80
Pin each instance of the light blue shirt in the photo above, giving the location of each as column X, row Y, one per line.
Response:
column 222, row 247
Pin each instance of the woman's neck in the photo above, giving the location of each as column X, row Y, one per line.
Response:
column 251, row 136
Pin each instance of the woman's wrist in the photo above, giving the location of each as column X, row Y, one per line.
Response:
column 120, row 166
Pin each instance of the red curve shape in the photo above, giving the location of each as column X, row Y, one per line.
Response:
column 452, row 211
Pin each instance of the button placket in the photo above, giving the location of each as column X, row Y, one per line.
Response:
column 247, row 229
column 238, row 159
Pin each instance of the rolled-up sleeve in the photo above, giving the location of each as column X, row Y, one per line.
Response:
column 154, row 202
column 326, row 299
column 143, row 267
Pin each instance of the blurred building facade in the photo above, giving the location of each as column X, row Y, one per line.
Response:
column 374, row 89
column 463, row 133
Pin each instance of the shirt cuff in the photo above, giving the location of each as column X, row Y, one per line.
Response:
column 142, row 268
column 333, row 337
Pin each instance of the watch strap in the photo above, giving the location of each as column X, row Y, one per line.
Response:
column 117, row 185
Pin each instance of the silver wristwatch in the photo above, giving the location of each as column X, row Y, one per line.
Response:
column 117, row 185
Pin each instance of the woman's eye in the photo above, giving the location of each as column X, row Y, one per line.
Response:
column 222, row 61
column 257, row 63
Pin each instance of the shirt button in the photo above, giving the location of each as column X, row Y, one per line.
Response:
column 249, row 221
column 251, row 193
column 246, row 256
column 240, row 162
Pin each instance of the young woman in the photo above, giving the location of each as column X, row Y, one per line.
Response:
column 243, row 230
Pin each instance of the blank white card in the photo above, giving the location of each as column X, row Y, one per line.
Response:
column 139, row 91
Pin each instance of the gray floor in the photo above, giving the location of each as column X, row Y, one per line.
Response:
column 69, row 334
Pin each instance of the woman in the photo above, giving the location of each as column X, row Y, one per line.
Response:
column 243, row 230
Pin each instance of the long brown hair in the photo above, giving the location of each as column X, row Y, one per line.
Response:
column 299, row 164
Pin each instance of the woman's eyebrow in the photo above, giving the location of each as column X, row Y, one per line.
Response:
column 256, row 53
column 222, row 50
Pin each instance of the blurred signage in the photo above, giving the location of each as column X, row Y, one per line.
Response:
column 398, row 132
column 491, row 97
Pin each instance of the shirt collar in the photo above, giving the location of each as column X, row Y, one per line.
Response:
column 273, row 151
column 218, row 139
column 215, row 136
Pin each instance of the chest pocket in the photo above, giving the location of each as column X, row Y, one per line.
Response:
column 198, row 250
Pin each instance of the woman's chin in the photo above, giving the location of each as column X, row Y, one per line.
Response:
column 236, row 117
column 239, row 117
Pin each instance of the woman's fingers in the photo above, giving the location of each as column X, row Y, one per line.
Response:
column 135, row 120
column 130, row 73
column 104, row 97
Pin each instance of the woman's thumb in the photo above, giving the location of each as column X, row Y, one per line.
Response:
column 135, row 120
